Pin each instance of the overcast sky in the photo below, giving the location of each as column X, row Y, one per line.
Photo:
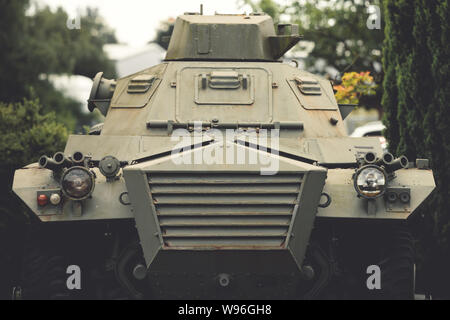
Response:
column 135, row 21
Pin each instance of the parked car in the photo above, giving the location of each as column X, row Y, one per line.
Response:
column 372, row 129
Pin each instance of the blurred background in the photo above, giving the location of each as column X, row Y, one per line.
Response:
column 390, row 57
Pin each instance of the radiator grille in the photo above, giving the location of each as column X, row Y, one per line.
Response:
column 224, row 210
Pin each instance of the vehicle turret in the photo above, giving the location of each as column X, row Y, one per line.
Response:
column 230, row 37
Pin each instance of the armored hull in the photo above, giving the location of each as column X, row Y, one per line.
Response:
column 225, row 159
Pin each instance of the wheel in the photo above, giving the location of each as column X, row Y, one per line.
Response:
column 364, row 247
column 50, row 250
column 43, row 273
column 397, row 267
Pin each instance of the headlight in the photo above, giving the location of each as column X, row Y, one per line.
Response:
column 77, row 183
column 370, row 181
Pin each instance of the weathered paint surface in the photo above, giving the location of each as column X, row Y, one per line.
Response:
column 223, row 206
column 344, row 204
column 222, row 71
column 103, row 205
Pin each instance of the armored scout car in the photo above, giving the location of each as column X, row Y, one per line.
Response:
column 221, row 173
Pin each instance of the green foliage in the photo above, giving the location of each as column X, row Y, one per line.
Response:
column 416, row 98
column 340, row 36
column 26, row 133
column 268, row 6
column 67, row 111
column 389, row 100
column 338, row 30
column 13, row 55
column 40, row 44
column 69, row 51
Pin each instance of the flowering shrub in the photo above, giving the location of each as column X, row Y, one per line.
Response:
column 353, row 86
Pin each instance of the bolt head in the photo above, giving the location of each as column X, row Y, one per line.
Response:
column 140, row 271
column 308, row 272
column 224, row 280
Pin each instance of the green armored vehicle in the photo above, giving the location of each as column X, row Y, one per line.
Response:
column 221, row 173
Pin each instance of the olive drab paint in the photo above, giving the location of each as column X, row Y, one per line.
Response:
column 222, row 73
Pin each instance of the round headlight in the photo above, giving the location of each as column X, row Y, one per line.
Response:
column 77, row 183
column 370, row 181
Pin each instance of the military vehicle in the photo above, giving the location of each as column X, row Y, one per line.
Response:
column 135, row 208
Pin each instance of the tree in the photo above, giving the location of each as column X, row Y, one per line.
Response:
column 71, row 51
column 13, row 55
column 41, row 44
column 338, row 31
column 339, row 35
column 415, row 100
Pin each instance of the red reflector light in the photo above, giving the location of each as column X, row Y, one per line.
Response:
column 42, row 200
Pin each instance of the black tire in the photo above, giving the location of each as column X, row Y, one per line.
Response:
column 397, row 266
column 43, row 273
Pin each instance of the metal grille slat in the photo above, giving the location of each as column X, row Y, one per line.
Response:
column 225, row 210
column 220, row 199
column 219, row 232
column 220, row 178
column 239, row 210
column 229, row 188
column 167, row 221
column 212, row 243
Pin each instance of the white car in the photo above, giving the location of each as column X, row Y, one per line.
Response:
column 372, row 129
